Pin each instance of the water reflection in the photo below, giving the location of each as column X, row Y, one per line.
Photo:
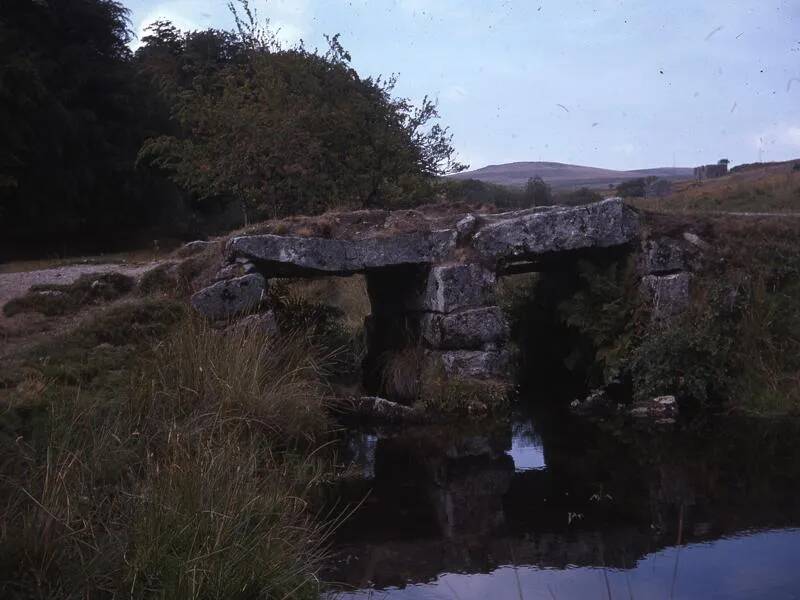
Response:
column 761, row 565
column 569, row 510
column 526, row 447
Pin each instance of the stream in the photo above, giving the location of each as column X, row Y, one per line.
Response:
column 547, row 506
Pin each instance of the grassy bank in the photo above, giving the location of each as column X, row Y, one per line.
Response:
column 147, row 455
column 771, row 188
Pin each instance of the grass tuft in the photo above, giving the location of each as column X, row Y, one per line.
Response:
column 186, row 475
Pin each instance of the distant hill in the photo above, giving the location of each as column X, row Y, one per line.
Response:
column 563, row 176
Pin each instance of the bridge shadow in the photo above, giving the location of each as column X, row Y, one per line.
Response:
column 532, row 493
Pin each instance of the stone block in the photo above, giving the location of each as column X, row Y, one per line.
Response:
column 476, row 364
column 669, row 294
column 466, row 329
column 455, row 287
column 662, row 256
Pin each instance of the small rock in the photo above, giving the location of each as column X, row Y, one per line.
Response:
column 597, row 402
column 231, row 298
column 261, row 324
column 696, row 240
column 663, row 409
column 385, row 411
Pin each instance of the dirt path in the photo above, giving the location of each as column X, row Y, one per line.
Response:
column 26, row 329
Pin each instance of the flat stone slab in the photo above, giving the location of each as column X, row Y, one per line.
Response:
column 529, row 234
column 231, row 298
column 467, row 329
column 303, row 256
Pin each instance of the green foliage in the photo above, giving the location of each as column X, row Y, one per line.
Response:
column 633, row 188
column 286, row 131
column 481, row 192
column 736, row 348
column 604, row 311
column 689, row 358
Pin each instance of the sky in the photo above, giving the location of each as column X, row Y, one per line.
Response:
column 617, row 84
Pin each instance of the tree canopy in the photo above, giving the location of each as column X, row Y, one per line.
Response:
column 286, row 130
column 68, row 114
column 91, row 132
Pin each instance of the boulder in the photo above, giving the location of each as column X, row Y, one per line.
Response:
column 231, row 298
column 193, row 248
column 304, row 256
column 466, row 329
column 669, row 294
column 528, row 235
column 477, row 364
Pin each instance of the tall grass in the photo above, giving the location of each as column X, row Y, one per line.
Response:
column 191, row 480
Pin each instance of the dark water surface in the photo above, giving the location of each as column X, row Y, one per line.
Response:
column 550, row 507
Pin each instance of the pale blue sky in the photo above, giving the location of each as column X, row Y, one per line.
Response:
column 638, row 82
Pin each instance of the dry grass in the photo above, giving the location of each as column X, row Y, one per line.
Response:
column 768, row 189
column 347, row 294
column 60, row 299
column 188, row 477
column 400, row 374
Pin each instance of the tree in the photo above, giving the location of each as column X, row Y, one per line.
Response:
column 69, row 117
column 286, row 131
column 537, row 192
